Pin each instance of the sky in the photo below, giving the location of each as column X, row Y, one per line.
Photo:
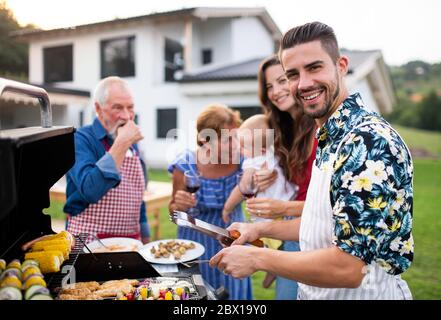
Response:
column 403, row 30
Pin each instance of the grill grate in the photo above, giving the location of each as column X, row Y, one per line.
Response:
column 56, row 280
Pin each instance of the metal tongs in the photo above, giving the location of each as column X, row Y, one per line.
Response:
column 226, row 237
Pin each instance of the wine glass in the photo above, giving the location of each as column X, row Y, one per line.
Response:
column 192, row 183
column 247, row 183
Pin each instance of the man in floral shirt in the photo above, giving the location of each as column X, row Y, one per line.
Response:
column 355, row 230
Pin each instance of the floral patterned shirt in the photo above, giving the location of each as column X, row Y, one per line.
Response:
column 372, row 187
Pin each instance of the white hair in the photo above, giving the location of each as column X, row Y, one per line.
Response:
column 101, row 92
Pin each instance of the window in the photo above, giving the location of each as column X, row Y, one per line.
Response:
column 207, row 56
column 81, row 119
column 118, row 57
column 166, row 119
column 246, row 112
column 58, row 64
column 174, row 61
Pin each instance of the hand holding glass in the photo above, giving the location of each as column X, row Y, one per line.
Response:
column 192, row 183
column 247, row 183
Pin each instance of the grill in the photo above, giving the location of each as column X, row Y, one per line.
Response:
column 31, row 160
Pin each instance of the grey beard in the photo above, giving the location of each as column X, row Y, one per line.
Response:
column 114, row 131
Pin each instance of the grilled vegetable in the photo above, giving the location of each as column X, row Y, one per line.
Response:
column 63, row 235
column 14, row 264
column 10, row 293
column 29, row 263
column 49, row 260
column 2, row 265
column 11, row 272
column 143, row 292
column 35, row 279
column 29, row 271
column 34, row 290
column 11, row 281
column 168, row 296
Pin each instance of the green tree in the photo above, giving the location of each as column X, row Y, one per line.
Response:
column 429, row 111
column 13, row 55
column 404, row 113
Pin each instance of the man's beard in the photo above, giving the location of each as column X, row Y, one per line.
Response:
column 314, row 111
column 114, row 130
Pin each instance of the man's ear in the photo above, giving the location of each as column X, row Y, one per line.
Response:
column 97, row 109
column 343, row 65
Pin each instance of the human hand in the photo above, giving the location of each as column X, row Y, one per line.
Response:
column 237, row 261
column 129, row 133
column 248, row 232
column 184, row 200
column 226, row 215
column 265, row 177
column 266, row 207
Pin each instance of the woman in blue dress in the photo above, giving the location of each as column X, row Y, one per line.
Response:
column 218, row 161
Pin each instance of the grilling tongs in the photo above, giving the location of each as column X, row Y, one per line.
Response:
column 226, row 237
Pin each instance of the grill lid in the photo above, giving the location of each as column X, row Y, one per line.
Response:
column 31, row 161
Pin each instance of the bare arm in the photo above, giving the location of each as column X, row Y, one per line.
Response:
column 233, row 200
column 273, row 208
column 327, row 268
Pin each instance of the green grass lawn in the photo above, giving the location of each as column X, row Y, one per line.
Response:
column 421, row 139
column 424, row 276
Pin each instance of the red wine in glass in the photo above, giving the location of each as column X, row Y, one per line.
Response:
column 192, row 189
column 192, row 184
column 249, row 195
column 247, row 184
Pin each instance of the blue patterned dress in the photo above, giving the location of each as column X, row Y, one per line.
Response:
column 211, row 198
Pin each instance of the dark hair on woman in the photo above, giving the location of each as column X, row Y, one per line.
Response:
column 292, row 135
column 311, row 32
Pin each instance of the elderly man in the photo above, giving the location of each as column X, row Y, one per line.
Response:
column 105, row 187
column 356, row 227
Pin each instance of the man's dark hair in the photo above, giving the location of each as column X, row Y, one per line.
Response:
column 311, row 32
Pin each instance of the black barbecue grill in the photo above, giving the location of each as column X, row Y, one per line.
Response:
column 31, row 160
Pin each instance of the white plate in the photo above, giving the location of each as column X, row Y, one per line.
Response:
column 115, row 244
column 189, row 255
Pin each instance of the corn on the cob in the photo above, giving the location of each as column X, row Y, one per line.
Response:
column 59, row 242
column 62, row 235
column 49, row 260
column 61, row 248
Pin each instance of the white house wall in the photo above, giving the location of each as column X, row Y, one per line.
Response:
column 86, row 56
column 250, row 39
column 362, row 87
column 215, row 34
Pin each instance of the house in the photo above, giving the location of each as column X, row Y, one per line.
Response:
column 176, row 62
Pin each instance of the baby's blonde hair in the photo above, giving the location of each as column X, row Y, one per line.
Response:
column 258, row 121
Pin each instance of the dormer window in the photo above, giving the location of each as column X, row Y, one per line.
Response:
column 118, row 57
column 174, row 59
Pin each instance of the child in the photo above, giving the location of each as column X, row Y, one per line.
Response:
column 257, row 149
